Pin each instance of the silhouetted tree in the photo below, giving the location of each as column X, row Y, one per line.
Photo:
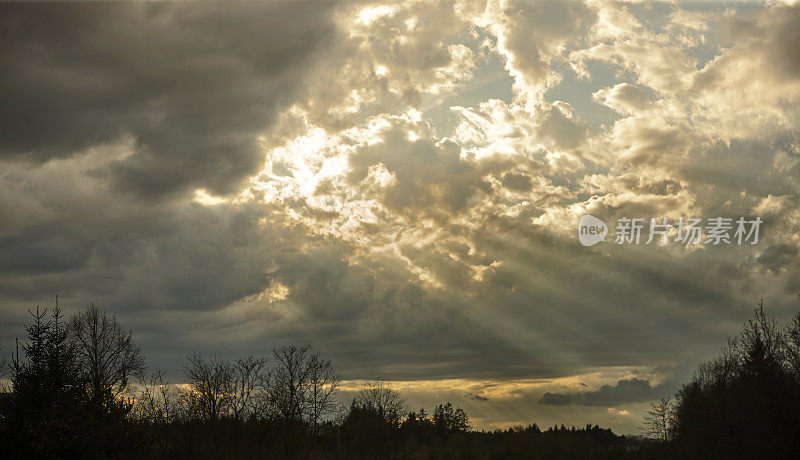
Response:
column 793, row 347
column 249, row 379
column 299, row 392
column 156, row 407
column 107, row 355
column 323, row 384
column 448, row 420
column 210, row 391
column 386, row 402
column 743, row 403
column 155, row 402
column 659, row 422
column 418, row 425
column 289, row 382
column 3, row 369
column 367, row 432
column 44, row 416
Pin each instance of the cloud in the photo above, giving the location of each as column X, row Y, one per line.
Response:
column 411, row 50
column 476, row 397
column 771, row 205
column 623, row 392
column 108, row 248
column 530, row 35
column 624, row 98
column 778, row 256
column 752, row 88
column 192, row 85
column 652, row 142
column 658, row 59
column 562, row 126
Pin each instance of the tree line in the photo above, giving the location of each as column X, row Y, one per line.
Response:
column 79, row 388
column 744, row 403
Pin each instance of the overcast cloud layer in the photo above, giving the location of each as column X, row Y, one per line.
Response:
column 400, row 185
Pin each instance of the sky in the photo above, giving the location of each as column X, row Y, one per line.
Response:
column 400, row 184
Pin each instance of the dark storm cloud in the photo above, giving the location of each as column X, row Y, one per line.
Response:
column 624, row 391
column 192, row 83
column 167, row 258
column 154, row 99
column 778, row 256
column 39, row 250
